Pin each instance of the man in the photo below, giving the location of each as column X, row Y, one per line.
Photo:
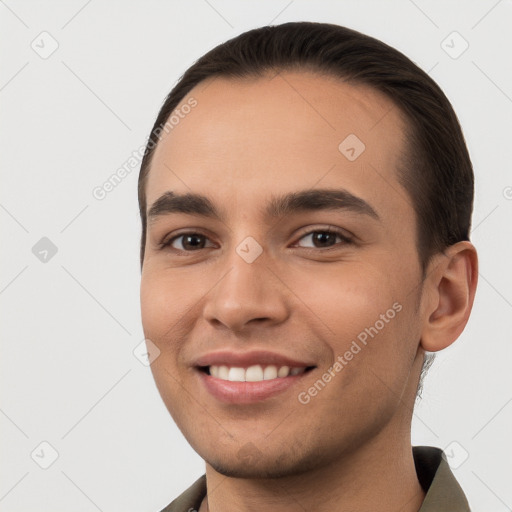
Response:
column 305, row 197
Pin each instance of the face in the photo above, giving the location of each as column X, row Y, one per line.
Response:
column 287, row 320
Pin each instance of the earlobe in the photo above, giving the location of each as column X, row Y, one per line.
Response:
column 452, row 281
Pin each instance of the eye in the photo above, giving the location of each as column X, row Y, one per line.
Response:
column 326, row 238
column 189, row 242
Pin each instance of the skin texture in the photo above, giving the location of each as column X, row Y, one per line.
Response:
column 247, row 140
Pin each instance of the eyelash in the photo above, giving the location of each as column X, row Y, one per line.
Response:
column 345, row 239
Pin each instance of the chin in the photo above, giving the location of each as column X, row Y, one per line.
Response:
column 257, row 472
column 252, row 464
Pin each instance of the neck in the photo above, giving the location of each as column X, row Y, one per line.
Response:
column 379, row 476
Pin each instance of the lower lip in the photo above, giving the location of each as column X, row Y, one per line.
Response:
column 247, row 392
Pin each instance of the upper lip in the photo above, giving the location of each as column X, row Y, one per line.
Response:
column 248, row 358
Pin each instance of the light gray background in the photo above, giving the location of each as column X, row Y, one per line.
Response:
column 69, row 325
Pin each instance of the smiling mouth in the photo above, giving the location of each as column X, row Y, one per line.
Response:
column 254, row 373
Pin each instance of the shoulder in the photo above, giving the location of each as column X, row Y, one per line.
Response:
column 190, row 500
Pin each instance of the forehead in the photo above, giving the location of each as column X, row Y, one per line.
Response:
column 245, row 139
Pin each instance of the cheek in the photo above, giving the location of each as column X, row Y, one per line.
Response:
column 368, row 317
column 162, row 302
column 152, row 303
column 170, row 309
column 348, row 299
column 162, row 311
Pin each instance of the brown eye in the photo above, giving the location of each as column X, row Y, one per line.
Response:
column 189, row 242
column 325, row 238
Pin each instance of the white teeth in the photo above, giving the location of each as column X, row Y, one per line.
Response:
column 236, row 375
column 255, row 373
column 223, row 372
column 283, row 371
column 270, row 372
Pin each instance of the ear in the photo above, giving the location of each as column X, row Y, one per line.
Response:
column 449, row 288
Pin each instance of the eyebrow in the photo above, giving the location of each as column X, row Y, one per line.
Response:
column 287, row 204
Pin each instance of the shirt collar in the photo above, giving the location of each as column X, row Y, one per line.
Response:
column 443, row 492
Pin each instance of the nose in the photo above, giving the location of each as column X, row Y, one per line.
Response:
column 248, row 293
